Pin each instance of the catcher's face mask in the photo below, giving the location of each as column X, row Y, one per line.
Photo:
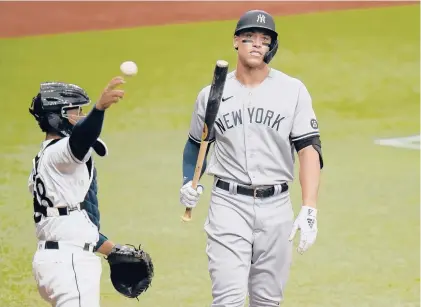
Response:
column 72, row 113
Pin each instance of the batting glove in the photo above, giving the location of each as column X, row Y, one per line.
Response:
column 307, row 223
column 189, row 196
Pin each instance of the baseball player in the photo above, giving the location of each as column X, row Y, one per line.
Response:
column 264, row 116
column 64, row 188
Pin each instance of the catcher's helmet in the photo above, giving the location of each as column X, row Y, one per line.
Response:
column 257, row 19
column 49, row 106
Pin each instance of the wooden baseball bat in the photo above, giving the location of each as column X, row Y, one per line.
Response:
column 214, row 100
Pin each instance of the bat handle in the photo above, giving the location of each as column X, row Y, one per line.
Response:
column 198, row 170
column 187, row 215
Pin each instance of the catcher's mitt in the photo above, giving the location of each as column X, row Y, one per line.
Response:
column 131, row 270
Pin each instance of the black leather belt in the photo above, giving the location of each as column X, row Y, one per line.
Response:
column 255, row 192
column 55, row 245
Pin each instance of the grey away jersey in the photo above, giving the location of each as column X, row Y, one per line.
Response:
column 255, row 127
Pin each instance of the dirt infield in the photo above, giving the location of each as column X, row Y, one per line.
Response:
column 34, row 18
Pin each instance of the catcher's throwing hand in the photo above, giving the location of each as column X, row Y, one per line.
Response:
column 307, row 223
column 131, row 270
column 110, row 94
column 189, row 196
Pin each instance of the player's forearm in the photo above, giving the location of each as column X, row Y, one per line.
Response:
column 86, row 132
column 102, row 238
column 190, row 153
column 106, row 248
column 309, row 175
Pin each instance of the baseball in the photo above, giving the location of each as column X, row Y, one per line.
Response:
column 128, row 68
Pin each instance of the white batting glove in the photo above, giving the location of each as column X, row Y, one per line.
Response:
column 307, row 223
column 189, row 196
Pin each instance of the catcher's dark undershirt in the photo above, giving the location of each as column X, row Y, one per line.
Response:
column 91, row 203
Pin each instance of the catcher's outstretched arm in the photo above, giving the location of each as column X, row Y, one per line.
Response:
column 190, row 153
column 86, row 132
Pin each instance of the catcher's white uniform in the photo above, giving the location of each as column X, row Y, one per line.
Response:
column 65, row 268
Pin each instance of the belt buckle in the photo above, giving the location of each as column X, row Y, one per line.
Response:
column 74, row 208
column 88, row 247
column 255, row 191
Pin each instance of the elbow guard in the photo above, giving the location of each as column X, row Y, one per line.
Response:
column 311, row 141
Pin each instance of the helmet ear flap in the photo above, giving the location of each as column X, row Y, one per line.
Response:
column 54, row 120
column 59, row 124
column 272, row 51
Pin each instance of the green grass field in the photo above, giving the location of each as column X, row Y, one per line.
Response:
column 362, row 69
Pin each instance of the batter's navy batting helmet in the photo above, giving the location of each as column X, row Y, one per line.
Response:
column 257, row 19
column 49, row 106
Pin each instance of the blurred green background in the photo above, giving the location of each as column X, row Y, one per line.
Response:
column 362, row 70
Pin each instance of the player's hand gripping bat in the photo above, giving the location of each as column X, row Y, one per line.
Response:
column 215, row 95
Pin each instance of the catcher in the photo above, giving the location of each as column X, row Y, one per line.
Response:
column 63, row 183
